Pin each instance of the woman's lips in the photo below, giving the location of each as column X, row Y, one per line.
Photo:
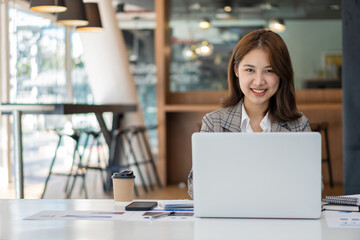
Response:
column 258, row 92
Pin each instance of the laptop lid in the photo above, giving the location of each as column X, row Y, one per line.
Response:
column 257, row 175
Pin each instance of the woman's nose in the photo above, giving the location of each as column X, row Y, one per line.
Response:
column 259, row 79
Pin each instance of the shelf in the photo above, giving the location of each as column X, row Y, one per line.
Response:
column 191, row 108
column 323, row 83
column 322, row 106
column 212, row 107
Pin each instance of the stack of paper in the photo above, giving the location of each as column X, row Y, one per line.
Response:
column 177, row 205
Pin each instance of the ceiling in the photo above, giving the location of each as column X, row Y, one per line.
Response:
column 247, row 9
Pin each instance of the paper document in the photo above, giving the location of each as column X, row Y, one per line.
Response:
column 111, row 216
column 76, row 215
column 337, row 219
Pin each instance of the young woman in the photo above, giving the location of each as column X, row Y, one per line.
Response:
column 261, row 94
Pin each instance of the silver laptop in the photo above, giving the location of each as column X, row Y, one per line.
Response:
column 257, row 175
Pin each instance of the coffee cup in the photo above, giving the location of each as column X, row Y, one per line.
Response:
column 123, row 184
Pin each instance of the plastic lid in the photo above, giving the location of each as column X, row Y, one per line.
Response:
column 123, row 175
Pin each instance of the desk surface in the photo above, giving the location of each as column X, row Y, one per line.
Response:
column 12, row 225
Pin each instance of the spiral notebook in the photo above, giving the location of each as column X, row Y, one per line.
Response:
column 343, row 200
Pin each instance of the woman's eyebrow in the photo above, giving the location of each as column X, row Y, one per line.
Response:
column 248, row 65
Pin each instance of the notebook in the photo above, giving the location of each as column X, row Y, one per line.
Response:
column 257, row 175
column 353, row 200
column 342, row 203
column 337, row 207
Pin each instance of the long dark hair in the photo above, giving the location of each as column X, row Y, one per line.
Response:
column 282, row 105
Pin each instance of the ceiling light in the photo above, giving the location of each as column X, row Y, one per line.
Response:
column 205, row 23
column 205, row 49
column 93, row 16
column 48, row 6
column 277, row 25
column 189, row 52
column 74, row 15
column 227, row 9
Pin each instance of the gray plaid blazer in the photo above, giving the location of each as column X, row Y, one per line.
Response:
column 229, row 120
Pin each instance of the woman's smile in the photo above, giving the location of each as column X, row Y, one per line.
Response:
column 258, row 92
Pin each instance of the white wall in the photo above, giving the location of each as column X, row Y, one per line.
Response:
column 307, row 40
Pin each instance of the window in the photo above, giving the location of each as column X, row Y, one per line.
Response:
column 38, row 75
column 37, row 54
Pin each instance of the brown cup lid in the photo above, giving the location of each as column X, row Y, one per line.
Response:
column 123, row 175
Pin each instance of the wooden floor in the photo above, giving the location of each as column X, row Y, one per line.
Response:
column 55, row 190
column 56, row 186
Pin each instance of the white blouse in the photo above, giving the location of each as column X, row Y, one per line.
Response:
column 265, row 123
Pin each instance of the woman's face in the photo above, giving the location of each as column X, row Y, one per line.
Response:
column 257, row 80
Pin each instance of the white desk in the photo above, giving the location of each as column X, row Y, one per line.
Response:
column 12, row 225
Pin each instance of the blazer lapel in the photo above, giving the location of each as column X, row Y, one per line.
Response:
column 231, row 120
column 279, row 127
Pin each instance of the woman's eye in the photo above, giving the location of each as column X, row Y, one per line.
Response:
column 249, row 70
column 269, row 71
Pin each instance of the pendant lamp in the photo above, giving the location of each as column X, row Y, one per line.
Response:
column 74, row 15
column 277, row 25
column 48, row 6
column 205, row 23
column 93, row 16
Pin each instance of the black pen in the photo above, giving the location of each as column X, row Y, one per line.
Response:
column 162, row 214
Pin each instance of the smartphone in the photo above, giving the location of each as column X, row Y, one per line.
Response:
column 141, row 206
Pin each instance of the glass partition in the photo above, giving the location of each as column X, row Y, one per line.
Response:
column 199, row 57
column 140, row 46
column 204, row 33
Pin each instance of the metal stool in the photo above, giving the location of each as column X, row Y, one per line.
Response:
column 145, row 151
column 322, row 128
column 101, row 164
column 82, row 167
column 134, row 151
column 75, row 170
